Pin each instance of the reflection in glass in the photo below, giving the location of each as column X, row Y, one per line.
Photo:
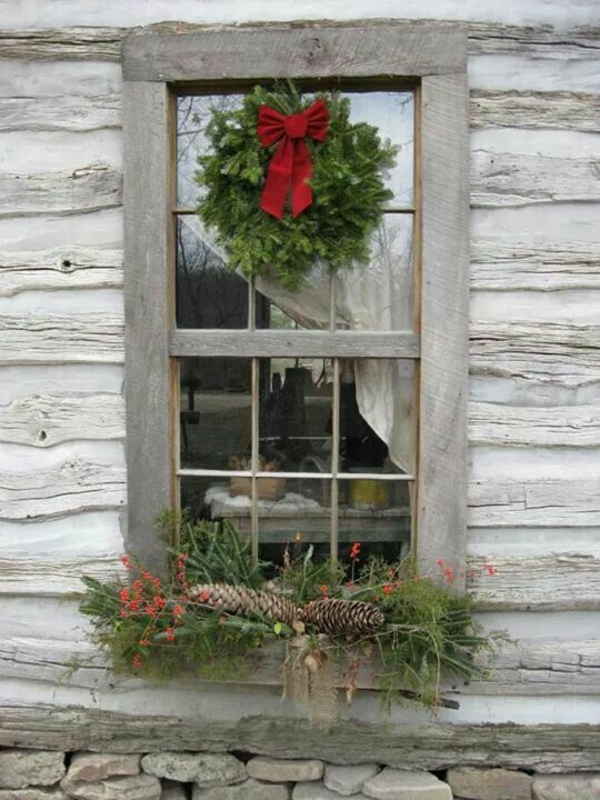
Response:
column 215, row 413
column 376, row 431
column 193, row 115
column 295, row 414
column 300, row 517
column 376, row 514
column 393, row 114
column 208, row 295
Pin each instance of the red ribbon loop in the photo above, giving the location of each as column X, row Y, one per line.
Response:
column 291, row 164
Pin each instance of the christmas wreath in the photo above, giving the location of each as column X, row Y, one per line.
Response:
column 289, row 182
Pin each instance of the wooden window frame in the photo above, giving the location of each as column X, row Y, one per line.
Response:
column 435, row 58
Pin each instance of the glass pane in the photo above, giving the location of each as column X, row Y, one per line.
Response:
column 208, row 295
column 279, row 309
column 215, row 412
column 393, row 114
column 295, row 414
column 292, row 514
column 376, row 428
column 193, row 115
column 375, row 514
column 380, row 296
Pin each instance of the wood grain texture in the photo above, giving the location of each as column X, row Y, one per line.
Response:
column 352, row 50
column 545, row 748
column 60, row 268
column 66, row 113
column 498, row 265
column 517, row 426
column 341, row 344
column 541, row 667
column 558, row 581
column 552, row 110
column 69, row 488
column 546, row 353
column 525, row 667
column 43, row 420
column 542, row 503
column 513, row 179
column 54, row 577
column 93, row 338
column 94, row 187
column 444, row 323
column 103, row 43
column 147, row 315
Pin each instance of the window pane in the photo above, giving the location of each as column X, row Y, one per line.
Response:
column 294, row 513
column 376, row 514
column 208, row 295
column 295, row 414
column 393, row 114
column 215, row 418
column 376, row 426
column 193, row 115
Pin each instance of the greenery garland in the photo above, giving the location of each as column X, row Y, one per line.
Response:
column 160, row 629
column 348, row 190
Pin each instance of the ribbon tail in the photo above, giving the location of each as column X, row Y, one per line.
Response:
column 278, row 179
column 302, row 173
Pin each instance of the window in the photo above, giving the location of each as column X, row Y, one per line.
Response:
column 325, row 419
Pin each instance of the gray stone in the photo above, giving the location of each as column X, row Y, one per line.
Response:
column 171, row 790
column 33, row 793
column 576, row 786
column 22, row 768
column 205, row 769
column 249, row 790
column 472, row 783
column 317, row 791
column 348, row 780
column 99, row 766
column 280, row 770
column 132, row 787
column 396, row 784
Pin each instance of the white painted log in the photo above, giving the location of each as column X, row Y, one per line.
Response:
column 62, row 44
column 498, row 265
column 112, row 12
column 508, row 72
column 489, row 109
column 534, row 503
column 71, row 487
column 517, row 426
column 53, row 577
column 55, row 339
column 565, row 581
column 568, row 355
column 85, row 534
column 507, row 179
column 93, row 187
column 576, row 111
column 20, row 381
column 43, row 420
column 66, row 113
column 60, row 268
column 63, row 155
column 60, row 79
column 540, row 667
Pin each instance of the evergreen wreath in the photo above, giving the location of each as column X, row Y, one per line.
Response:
column 348, row 189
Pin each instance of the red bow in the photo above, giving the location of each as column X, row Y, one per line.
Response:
column 291, row 164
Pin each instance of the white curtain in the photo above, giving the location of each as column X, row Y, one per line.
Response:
column 377, row 298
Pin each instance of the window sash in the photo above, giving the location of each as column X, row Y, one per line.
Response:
column 152, row 64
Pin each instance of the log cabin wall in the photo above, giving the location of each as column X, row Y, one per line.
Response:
column 534, row 421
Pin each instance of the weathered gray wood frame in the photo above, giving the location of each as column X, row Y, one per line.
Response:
column 437, row 57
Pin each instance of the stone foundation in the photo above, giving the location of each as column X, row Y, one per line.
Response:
column 45, row 775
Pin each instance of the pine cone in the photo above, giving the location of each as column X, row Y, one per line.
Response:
column 342, row 616
column 245, row 602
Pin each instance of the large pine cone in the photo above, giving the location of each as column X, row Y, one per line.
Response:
column 245, row 602
column 342, row 616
